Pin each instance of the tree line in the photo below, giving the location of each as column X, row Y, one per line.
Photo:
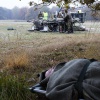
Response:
column 22, row 13
column 16, row 13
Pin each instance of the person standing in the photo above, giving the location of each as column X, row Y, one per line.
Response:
column 69, row 22
column 40, row 15
column 45, row 16
column 62, row 25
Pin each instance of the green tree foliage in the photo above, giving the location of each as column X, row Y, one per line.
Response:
column 88, row 2
column 97, row 6
column 68, row 1
column 92, row 4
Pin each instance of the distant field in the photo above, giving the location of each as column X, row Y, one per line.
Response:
column 23, row 54
column 42, row 43
column 21, row 38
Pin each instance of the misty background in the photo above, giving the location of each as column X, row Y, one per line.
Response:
column 26, row 13
column 23, row 13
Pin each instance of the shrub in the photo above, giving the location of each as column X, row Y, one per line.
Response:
column 16, row 60
column 13, row 88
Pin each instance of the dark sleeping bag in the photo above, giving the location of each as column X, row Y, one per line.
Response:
column 76, row 79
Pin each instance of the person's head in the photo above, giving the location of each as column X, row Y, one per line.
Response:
column 40, row 12
column 66, row 11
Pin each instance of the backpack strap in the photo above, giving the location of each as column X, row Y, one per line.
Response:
column 78, row 85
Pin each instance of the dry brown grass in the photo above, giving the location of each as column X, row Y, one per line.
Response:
column 47, row 50
column 34, row 52
column 43, row 50
column 16, row 60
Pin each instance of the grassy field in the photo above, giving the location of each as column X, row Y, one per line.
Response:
column 24, row 54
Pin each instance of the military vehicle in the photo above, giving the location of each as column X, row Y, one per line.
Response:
column 53, row 25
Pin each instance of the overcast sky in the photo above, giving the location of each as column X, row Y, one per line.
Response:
column 12, row 3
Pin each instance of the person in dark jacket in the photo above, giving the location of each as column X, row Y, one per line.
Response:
column 40, row 15
column 68, row 21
